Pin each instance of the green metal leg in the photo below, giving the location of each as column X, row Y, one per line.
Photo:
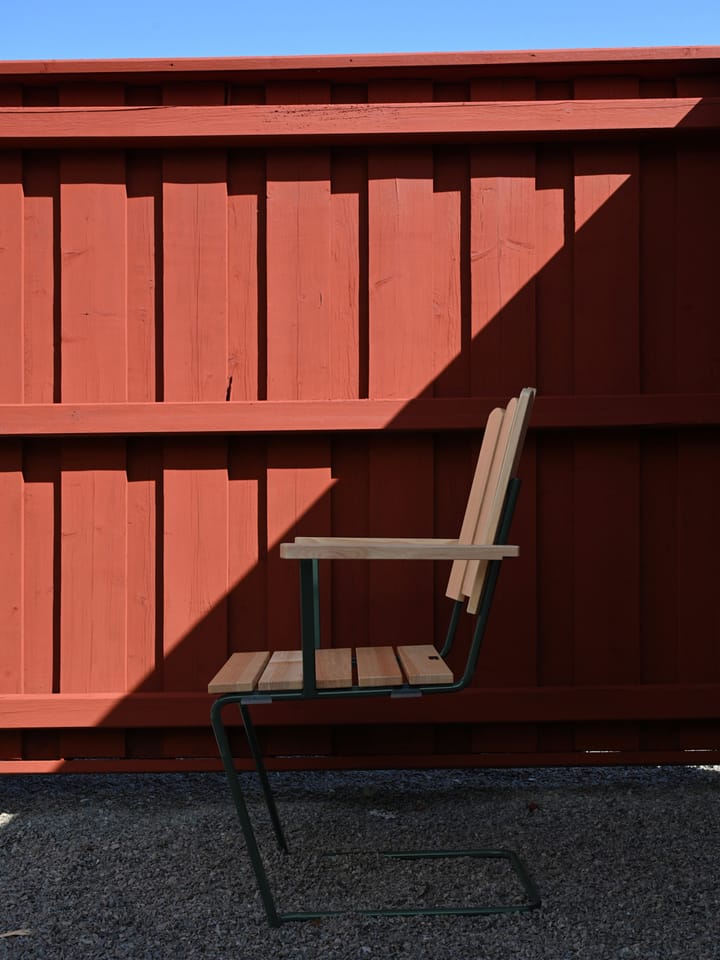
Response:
column 264, row 783
column 253, row 850
column 274, row 917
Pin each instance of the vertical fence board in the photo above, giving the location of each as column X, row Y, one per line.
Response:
column 195, row 561
column 503, row 258
column 11, row 568
column 246, row 205
column 41, row 595
column 93, row 567
column 11, row 277
column 247, row 524
column 144, row 190
column 41, row 304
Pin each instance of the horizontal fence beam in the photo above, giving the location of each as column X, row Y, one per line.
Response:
column 297, row 416
column 376, row 64
column 352, row 123
column 510, row 705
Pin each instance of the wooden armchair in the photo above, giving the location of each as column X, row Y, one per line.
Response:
column 314, row 672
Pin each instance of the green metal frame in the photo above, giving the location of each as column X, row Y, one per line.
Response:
column 310, row 638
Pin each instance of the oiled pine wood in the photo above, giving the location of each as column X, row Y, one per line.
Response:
column 283, row 672
column 482, row 530
column 333, row 668
column 240, row 674
column 423, row 664
column 475, row 500
column 377, row 667
column 508, row 469
column 376, row 549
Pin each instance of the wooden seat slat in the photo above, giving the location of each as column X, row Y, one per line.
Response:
column 377, row 667
column 283, row 672
column 240, row 673
column 423, row 664
column 333, row 668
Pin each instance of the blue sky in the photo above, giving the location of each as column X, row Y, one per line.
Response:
column 48, row 29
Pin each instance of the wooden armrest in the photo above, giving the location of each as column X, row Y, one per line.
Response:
column 376, row 548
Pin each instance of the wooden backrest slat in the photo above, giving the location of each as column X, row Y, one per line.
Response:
column 505, row 463
column 482, row 527
column 475, row 500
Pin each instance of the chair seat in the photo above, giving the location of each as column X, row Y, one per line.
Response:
column 335, row 669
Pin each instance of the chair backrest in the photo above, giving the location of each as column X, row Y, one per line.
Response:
column 498, row 461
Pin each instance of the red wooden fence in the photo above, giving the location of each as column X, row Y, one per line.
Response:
column 247, row 299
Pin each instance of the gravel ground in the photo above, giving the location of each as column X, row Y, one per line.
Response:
column 153, row 866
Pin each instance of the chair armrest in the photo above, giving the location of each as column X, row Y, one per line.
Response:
column 378, row 548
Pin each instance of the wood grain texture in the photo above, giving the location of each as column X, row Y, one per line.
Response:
column 351, row 416
column 423, row 664
column 333, row 668
column 11, row 278
column 283, row 672
column 41, row 313
column 240, row 674
column 377, row 667
column 349, row 123
column 376, row 549
column 475, row 499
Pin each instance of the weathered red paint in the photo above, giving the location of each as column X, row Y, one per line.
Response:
column 214, row 339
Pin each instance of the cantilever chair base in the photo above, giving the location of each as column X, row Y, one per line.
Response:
column 275, row 917
column 316, row 673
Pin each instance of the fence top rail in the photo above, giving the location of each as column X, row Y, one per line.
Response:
column 647, row 61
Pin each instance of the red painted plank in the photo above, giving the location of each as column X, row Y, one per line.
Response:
column 606, row 256
column 93, row 567
column 41, row 307
column 92, row 236
column 298, row 504
column 661, row 562
column 144, row 197
column 554, row 279
column 246, row 279
column 401, row 601
column 41, row 559
column 660, row 247
column 547, row 705
column 11, row 278
column 511, row 651
column 347, row 275
column 337, row 123
column 698, row 620
column 613, row 59
column 555, row 571
column 606, row 560
column 247, row 518
column 195, row 276
column 11, row 567
column 451, row 413
column 451, row 274
column 298, row 265
column 698, row 286
column 502, row 251
column 195, row 562
column 144, row 483
column 400, row 226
